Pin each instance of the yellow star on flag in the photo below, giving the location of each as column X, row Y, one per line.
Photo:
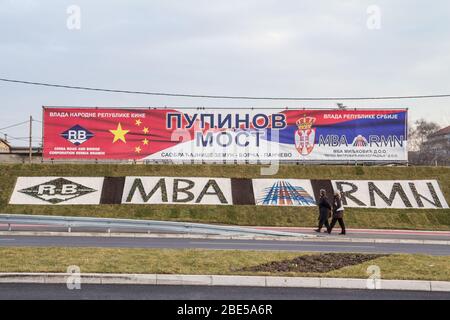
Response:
column 138, row 122
column 145, row 142
column 145, row 130
column 119, row 133
column 138, row 149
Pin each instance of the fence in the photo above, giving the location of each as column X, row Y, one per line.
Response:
column 142, row 225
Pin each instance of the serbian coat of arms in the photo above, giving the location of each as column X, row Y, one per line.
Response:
column 305, row 135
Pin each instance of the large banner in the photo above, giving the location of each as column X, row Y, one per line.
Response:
column 223, row 134
column 380, row 194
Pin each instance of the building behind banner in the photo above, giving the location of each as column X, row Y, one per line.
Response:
column 226, row 135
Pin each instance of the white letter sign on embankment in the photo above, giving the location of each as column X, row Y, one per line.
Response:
column 379, row 194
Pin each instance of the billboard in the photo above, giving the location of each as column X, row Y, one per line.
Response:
column 224, row 134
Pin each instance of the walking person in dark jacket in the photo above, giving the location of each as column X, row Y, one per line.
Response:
column 324, row 210
column 338, row 213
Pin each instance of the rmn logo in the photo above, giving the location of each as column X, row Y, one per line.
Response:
column 57, row 191
column 77, row 135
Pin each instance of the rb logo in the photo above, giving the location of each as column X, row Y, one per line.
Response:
column 77, row 135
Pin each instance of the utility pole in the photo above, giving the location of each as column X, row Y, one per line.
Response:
column 31, row 138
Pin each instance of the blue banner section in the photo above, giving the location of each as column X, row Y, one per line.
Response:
column 378, row 129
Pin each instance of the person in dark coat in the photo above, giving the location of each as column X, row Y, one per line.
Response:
column 338, row 213
column 324, row 210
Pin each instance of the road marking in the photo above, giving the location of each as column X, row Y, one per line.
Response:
column 280, row 244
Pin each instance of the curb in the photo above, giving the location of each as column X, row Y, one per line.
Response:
column 311, row 238
column 223, row 280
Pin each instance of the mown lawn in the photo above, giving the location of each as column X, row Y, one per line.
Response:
column 196, row 261
column 238, row 215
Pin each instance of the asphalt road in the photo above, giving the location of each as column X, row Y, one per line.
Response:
column 178, row 243
column 144, row 292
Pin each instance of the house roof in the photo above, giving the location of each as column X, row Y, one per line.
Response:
column 6, row 143
column 441, row 132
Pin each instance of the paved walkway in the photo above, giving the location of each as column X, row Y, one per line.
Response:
column 371, row 233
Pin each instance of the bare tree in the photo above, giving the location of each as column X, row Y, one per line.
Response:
column 419, row 133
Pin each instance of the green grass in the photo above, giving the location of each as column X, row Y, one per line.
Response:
column 223, row 262
column 421, row 219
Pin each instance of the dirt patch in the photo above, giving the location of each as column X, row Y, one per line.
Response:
column 317, row 263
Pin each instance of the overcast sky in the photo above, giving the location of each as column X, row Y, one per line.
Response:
column 234, row 47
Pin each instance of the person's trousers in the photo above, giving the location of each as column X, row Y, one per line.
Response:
column 324, row 222
column 341, row 223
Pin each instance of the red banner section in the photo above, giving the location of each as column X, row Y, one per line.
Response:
column 121, row 134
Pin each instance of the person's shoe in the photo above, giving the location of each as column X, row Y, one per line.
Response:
column 317, row 230
column 342, row 233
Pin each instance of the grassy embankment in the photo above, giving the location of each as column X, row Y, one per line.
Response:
column 229, row 262
column 238, row 215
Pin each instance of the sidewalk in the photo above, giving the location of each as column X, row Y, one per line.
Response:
column 370, row 233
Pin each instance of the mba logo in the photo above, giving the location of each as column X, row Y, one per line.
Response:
column 57, row 191
column 165, row 190
column 77, row 135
